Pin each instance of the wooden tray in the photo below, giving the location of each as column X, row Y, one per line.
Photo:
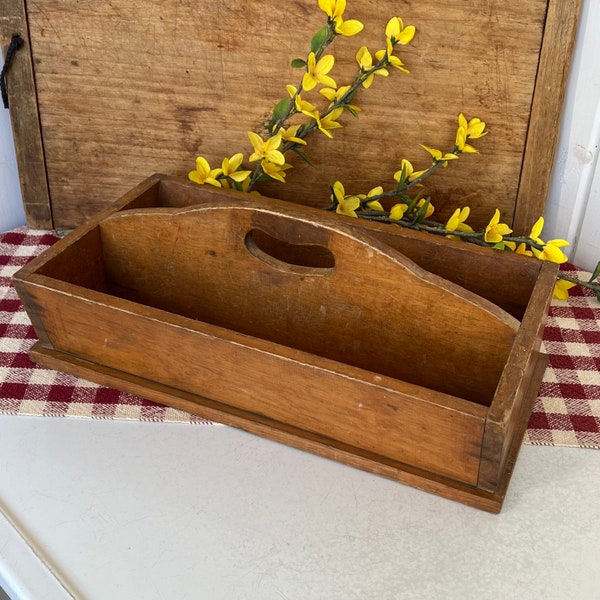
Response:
column 103, row 94
column 292, row 323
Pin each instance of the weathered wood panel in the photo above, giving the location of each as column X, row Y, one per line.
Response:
column 542, row 137
column 25, row 119
column 128, row 88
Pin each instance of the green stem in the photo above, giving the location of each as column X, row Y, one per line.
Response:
column 476, row 237
column 328, row 40
column 591, row 285
column 399, row 191
column 311, row 126
column 434, row 167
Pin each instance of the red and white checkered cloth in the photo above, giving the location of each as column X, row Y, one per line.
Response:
column 566, row 413
column 567, row 409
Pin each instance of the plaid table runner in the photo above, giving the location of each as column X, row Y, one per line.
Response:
column 567, row 409
column 566, row 412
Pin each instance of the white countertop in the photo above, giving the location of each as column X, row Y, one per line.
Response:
column 114, row 510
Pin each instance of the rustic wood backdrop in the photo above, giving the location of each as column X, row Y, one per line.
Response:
column 112, row 92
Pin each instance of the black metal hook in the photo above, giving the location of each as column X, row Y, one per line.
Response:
column 15, row 43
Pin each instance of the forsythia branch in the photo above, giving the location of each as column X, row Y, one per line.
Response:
column 405, row 203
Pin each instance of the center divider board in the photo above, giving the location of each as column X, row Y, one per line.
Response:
column 369, row 307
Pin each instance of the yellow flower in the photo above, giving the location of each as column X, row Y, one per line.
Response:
column 536, row 231
column 552, row 252
column 438, row 156
column 338, row 95
column 393, row 61
column 496, row 230
column 328, row 121
column 204, row 174
column 409, row 171
column 334, row 9
column 347, row 28
column 365, row 61
column 457, row 221
column 291, row 135
column 375, row 204
column 230, row 166
column 274, row 170
column 474, row 128
column 266, row 149
column 397, row 211
column 396, row 33
column 561, row 289
column 346, row 205
column 316, row 72
column 310, row 111
column 302, row 106
column 522, row 249
column 430, row 208
column 461, row 142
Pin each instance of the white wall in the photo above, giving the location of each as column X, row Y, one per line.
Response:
column 11, row 206
column 573, row 207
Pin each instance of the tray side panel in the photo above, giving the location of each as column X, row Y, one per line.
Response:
column 374, row 309
column 405, row 423
column 279, row 432
column 518, row 387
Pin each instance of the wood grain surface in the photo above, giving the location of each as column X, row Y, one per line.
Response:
column 370, row 307
column 128, row 88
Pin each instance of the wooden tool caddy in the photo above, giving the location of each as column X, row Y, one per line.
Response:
column 407, row 355
column 400, row 353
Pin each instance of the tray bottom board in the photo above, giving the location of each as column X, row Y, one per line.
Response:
column 292, row 436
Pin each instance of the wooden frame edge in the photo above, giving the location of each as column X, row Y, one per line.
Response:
column 25, row 119
column 560, row 29
column 507, row 419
